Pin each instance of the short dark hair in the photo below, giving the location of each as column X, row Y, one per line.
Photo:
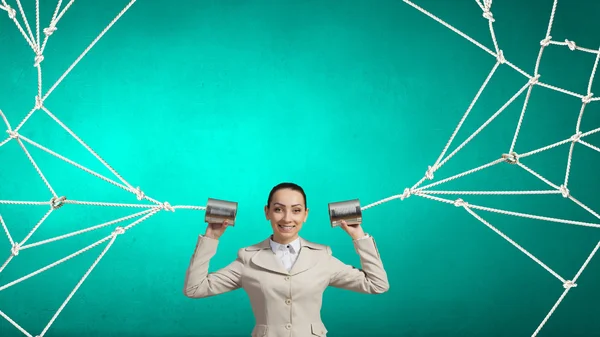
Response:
column 284, row 185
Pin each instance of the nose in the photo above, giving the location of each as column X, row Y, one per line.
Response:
column 287, row 217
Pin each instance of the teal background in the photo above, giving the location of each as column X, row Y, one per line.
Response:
column 352, row 99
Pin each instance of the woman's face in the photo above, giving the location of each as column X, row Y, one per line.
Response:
column 286, row 213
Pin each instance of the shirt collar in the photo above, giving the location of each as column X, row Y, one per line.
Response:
column 293, row 247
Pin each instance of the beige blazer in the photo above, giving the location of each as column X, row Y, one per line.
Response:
column 285, row 303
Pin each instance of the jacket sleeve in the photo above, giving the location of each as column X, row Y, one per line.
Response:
column 371, row 279
column 199, row 283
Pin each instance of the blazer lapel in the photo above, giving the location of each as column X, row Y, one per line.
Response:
column 266, row 259
column 309, row 256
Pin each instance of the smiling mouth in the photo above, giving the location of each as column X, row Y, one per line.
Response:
column 286, row 228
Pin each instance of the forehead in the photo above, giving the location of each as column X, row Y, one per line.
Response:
column 288, row 197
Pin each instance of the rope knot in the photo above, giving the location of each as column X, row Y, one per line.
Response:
column 571, row 44
column 11, row 12
column 138, row 193
column 56, row 203
column 15, row 249
column 167, row 207
column 511, row 158
column 38, row 59
column 39, row 102
column 500, row 57
column 545, row 42
column 12, row 134
column 488, row 15
column 429, row 172
column 460, row 203
column 48, row 31
column 576, row 136
column 569, row 284
column 534, row 79
column 118, row 231
column 564, row 191
column 406, row 194
column 588, row 98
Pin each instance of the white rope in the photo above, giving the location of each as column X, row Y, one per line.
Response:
column 588, row 97
column 504, row 236
column 536, row 77
column 567, row 289
column 22, row 12
column 87, row 273
column 564, row 91
column 573, row 46
column 11, row 321
column 483, row 86
column 117, row 231
column 493, row 192
column 512, row 157
column 72, row 162
column 487, row 122
column 37, row 23
column 12, row 14
column 589, row 145
column 10, row 239
column 87, row 147
column 85, row 230
column 62, row 77
column 53, row 22
column 57, row 201
column 35, row 165
column 512, row 213
column 470, row 39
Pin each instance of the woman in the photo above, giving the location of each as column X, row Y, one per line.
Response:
column 284, row 275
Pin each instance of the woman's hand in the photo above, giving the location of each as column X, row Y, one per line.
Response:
column 355, row 231
column 215, row 230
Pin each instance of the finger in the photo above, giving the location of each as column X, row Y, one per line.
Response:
column 216, row 226
column 344, row 225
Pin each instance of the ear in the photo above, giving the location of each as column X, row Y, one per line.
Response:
column 306, row 216
column 266, row 212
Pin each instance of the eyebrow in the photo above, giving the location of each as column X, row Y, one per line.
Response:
column 278, row 203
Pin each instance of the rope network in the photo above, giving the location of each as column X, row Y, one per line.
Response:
column 511, row 157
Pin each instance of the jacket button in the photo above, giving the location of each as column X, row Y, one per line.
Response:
column 288, row 301
column 288, row 326
column 287, row 278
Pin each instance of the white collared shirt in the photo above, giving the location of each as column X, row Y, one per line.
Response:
column 288, row 254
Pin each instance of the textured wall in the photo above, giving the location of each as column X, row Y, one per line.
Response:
column 350, row 99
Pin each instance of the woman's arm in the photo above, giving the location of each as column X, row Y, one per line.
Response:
column 371, row 279
column 199, row 283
